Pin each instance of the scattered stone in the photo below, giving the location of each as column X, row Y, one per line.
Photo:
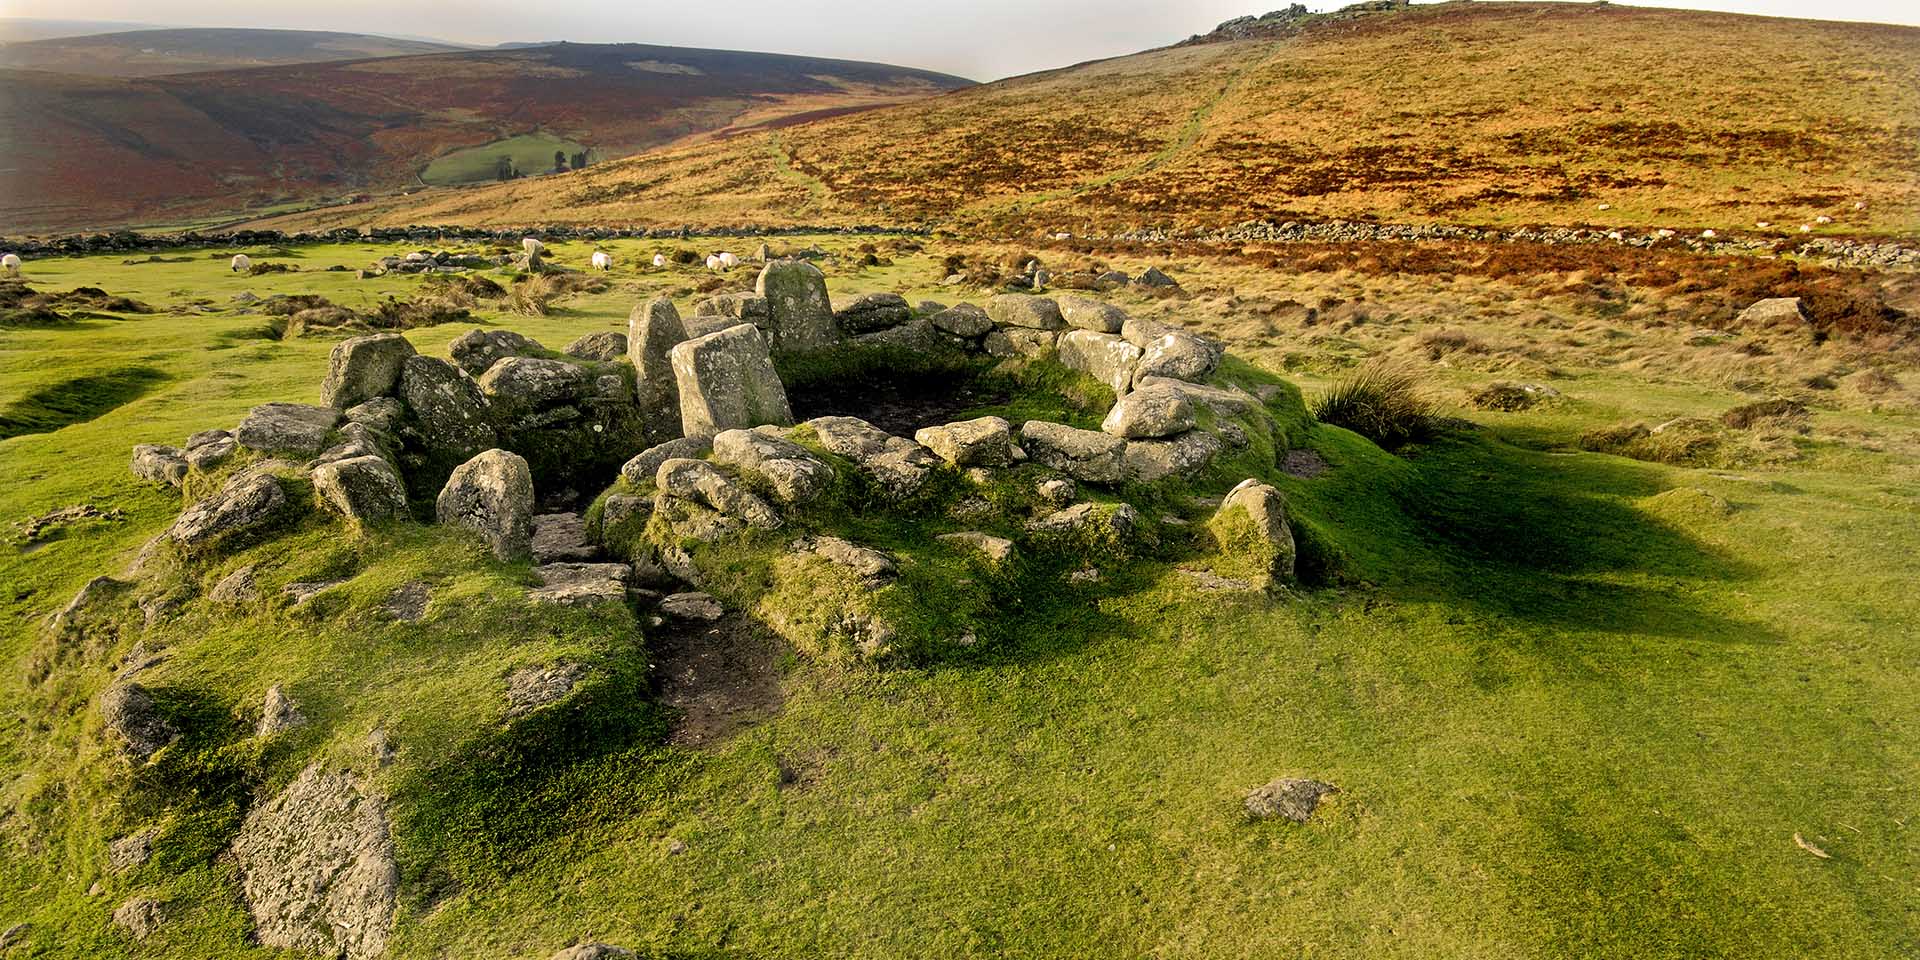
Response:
column 277, row 713
column 798, row 310
column 792, row 472
column 135, row 722
column 571, row 584
column 964, row 320
column 208, row 449
column 998, row 551
column 1117, row 523
column 1149, row 413
column 703, row 483
column 1102, row 356
column 1058, row 491
column 1511, row 397
column 301, row 591
column 875, row 311
column 1025, row 310
column 1287, row 797
column 130, row 851
column 605, row 346
column 530, row 688
column 875, row 569
column 450, row 414
column 493, row 495
column 1151, row 461
column 1774, row 313
column 593, row 951
column 155, row 463
column 236, row 587
column 1086, row 313
column 898, row 465
column 727, row 381
column 362, row 489
column 1210, row 582
column 381, row 748
column 1179, row 355
column 317, row 869
column 653, row 330
column 559, row 537
column 1083, row 575
column 289, row 428
column 1087, row 455
column 408, row 602
column 640, row 470
column 476, row 351
column 363, row 368
column 1252, row 522
column 1154, row 277
column 693, row 606
column 983, row 442
column 1303, row 464
column 245, row 502
column 139, row 917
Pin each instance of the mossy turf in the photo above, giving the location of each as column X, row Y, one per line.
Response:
column 1570, row 714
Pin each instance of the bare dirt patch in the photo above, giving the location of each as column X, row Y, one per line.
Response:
column 718, row 678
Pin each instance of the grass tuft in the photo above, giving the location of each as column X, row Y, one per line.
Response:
column 1382, row 402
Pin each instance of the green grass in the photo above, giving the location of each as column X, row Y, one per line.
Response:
column 1567, row 719
column 532, row 153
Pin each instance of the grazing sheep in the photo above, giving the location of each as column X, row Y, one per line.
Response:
column 1806, row 228
column 1823, row 218
column 659, row 260
column 1707, row 234
column 532, row 247
column 729, row 260
column 713, row 263
column 10, row 264
column 1615, row 235
column 602, row 260
column 241, row 263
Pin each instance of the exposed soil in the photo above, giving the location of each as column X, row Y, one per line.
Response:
column 897, row 406
column 718, row 677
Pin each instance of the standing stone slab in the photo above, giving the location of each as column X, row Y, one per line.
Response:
column 653, row 330
column 1102, row 356
column 798, row 311
column 363, row 368
column 1252, row 521
column 727, row 382
column 492, row 494
column 317, row 868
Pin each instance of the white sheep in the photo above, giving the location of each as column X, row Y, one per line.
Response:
column 533, row 247
column 10, row 263
column 728, row 260
column 241, row 263
column 1806, row 228
column 659, row 260
column 602, row 260
column 1615, row 235
column 713, row 263
column 1707, row 234
column 1823, row 218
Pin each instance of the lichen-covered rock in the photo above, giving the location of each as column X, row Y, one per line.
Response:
column 788, row 469
column 1251, row 528
column 1225, row 401
column 1102, row 356
column 130, row 851
column 134, row 721
column 1025, row 311
column 363, row 368
column 875, row 311
column 1151, row 461
column 289, row 428
column 1180, row 355
column 800, row 315
column 139, row 917
column 492, row 494
column 693, row 605
column 1772, row 313
column 156, row 463
column 278, row 713
column 1150, row 412
column 593, row 951
column 1090, row 523
column 246, row 502
column 727, row 381
column 317, row 869
column 208, row 449
column 653, row 330
column 682, row 520
column 1086, row 313
column 997, row 551
column 561, row 537
column 1155, row 277
column 604, row 345
column 1288, row 798
column 915, row 337
column 873, row 568
column 1087, row 455
column 363, row 489
column 723, row 310
column 899, row 466
column 530, row 688
column 450, row 415
column 963, row 320
column 1023, row 341
column 702, row 482
column 477, row 350
column 571, row 584
column 645, row 465
column 982, row 442
column 517, row 385
column 236, row 587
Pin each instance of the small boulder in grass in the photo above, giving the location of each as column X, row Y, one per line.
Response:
column 1289, row 798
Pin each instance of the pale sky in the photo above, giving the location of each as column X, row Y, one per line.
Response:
column 983, row 39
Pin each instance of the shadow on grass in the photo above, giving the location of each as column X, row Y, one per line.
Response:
column 77, row 401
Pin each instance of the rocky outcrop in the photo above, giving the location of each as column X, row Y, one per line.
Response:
column 449, row 418
column 317, row 869
column 516, row 386
column 134, row 721
column 156, row 463
column 362, row 489
column 476, row 351
column 1105, row 357
column 962, row 320
column 1087, row 455
column 704, row 483
column 140, row 917
column 791, row 472
column 530, row 688
column 573, row 584
column 245, row 503
column 278, row 713
column 605, row 346
column 295, row 429
column 1086, row 313
column 1773, row 313
column 645, row 465
column 1026, row 311
column 875, row 311
column 492, row 494
column 800, row 317
column 727, row 381
column 997, row 551
column 1179, row 355
column 208, row 449
column 900, row 467
column 1149, row 413
column 363, row 368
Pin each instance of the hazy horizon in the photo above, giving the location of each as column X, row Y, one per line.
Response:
column 928, row 36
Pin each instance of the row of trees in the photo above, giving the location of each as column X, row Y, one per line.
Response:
column 504, row 167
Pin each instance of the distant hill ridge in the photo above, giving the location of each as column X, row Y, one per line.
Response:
column 147, row 53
